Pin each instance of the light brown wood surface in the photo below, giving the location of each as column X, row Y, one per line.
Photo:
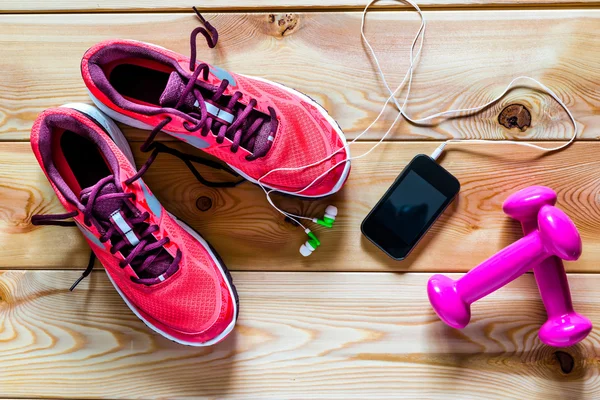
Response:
column 250, row 235
column 89, row 6
column 348, row 322
column 300, row 335
column 468, row 59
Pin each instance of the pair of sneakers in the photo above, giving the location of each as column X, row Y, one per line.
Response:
column 169, row 276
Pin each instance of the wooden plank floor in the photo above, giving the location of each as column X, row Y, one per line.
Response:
column 497, row 47
column 346, row 322
column 242, row 226
column 300, row 335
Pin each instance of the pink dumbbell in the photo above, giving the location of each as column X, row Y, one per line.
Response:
column 557, row 236
column 564, row 327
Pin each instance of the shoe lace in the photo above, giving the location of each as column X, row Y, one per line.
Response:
column 146, row 245
column 140, row 254
column 242, row 131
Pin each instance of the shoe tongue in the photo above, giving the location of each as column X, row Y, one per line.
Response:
column 173, row 91
column 262, row 143
column 161, row 259
column 104, row 208
column 259, row 145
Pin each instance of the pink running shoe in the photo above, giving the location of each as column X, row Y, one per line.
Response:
column 167, row 274
column 250, row 123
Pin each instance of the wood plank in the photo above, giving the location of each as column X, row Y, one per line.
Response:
column 469, row 57
column 251, row 235
column 260, row 5
column 300, row 335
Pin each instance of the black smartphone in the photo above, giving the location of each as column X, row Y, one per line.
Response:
column 410, row 206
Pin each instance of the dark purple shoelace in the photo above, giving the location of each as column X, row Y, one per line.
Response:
column 142, row 255
column 242, row 131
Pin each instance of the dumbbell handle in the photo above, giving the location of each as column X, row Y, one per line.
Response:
column 502, row 268
column 551, row 279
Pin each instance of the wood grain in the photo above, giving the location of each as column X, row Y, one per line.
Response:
column 469, row 57
column 250, row 235
column 35, row 6
column 300, row 335
column 307, row 328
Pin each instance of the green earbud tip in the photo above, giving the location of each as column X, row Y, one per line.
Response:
column 314, row 242
column 326, row 222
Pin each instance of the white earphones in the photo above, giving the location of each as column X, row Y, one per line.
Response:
column 311, row 244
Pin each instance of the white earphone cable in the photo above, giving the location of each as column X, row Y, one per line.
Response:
column 417, row 42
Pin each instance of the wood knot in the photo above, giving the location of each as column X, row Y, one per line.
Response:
column 204, row 203
column 515, row 116
column 566, row 361
column 283, row 24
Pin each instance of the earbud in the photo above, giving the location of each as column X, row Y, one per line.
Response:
column 310, row 245
column 328, row 218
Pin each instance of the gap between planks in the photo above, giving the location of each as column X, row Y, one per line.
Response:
column 542, row 6
column 165, row 139
column 98, row 269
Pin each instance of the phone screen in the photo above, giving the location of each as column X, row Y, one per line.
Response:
column 410, row 206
